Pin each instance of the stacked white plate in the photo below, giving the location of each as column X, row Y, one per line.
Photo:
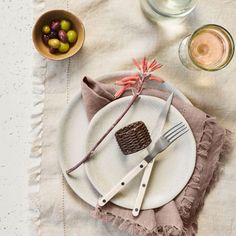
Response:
column 173, row 168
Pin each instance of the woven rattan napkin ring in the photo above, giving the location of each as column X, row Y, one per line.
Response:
column 133, row 138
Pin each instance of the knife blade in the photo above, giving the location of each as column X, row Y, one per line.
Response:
column 156, row 133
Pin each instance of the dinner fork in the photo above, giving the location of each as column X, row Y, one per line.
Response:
column 162, row 143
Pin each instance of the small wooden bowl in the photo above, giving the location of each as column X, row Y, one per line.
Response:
column 45, row 19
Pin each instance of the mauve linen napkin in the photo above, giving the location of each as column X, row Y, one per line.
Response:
column 179, row 216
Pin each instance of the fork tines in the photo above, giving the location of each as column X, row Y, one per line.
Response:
column 175, row 132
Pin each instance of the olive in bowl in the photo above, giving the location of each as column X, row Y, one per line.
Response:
column 58, row 34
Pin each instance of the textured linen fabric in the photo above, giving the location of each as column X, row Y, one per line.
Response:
column 116, row 32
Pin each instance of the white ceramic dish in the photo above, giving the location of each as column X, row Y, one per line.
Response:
column 71, row 139
column 171, row 171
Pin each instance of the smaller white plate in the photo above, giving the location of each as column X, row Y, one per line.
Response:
column 171, row 171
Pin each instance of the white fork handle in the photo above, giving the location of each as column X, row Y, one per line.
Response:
column 142, row 188
column 122, row 183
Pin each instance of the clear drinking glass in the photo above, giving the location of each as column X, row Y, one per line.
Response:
column 159, row 10
column 209, row 48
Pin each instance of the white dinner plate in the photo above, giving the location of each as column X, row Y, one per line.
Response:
column 71, row 139
column 173, row 167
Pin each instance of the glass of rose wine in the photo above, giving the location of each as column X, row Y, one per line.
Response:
column 209, row 48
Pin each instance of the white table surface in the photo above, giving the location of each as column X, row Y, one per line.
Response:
column 15, row 104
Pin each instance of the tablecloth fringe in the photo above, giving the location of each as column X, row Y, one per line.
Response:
column 36, row 147
column 39, row 74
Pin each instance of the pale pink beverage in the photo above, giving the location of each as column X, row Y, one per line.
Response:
column 210, row 48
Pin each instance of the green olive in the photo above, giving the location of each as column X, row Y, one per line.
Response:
column 65, row 25
column 54, row 43
column 64, row 47
column 72, row 36
column 46, row 29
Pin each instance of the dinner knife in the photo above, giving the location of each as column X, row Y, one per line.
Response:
column 148, row 170
column 161, row 121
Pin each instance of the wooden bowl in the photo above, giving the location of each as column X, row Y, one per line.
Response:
column 46, row 19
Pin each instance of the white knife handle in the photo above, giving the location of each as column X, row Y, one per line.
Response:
column 122, row 183
column 142, row 188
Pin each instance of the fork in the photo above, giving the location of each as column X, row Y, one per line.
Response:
column 162, row 143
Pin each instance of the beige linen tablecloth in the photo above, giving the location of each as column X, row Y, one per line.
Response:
column 116, row 32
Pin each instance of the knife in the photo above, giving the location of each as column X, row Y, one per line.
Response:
column 160, row 123
column 148, row 170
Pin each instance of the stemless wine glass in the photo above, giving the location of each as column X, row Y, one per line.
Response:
column 159, row 10
column 209, row 48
